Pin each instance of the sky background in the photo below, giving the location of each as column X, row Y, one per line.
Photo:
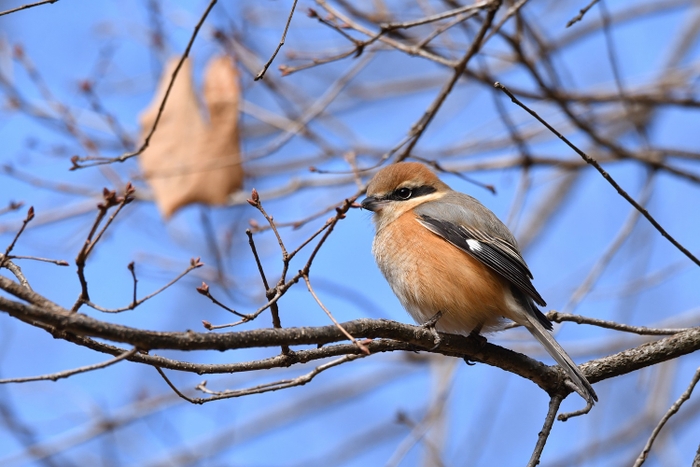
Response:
column 350, row 415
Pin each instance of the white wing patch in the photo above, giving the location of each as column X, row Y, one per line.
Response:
column 473, row 245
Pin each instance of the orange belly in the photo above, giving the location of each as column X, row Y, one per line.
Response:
column 429, row 275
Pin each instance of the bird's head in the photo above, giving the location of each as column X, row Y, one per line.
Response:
column 399, row 188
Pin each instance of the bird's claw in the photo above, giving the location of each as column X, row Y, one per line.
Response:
column 430, row 326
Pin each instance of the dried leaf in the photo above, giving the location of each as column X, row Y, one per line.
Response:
column 190, row 160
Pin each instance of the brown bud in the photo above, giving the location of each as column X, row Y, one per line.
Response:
column 85, row 85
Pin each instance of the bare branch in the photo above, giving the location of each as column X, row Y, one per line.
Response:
column 359, row 344
column 24, row 7
column 263, row 388
column 57, row 262
column 581, row 13
column 554, row 404
column 68, row 373
column 261, row 73
column 12, row 206
column 82, row 162
column 110, row 200
column 14, row 269
column 672, row 411
column 605, row 175
column 194, row 264
column 641, row 330
column 5, row 257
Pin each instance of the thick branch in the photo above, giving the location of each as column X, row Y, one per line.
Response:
column 60, row 321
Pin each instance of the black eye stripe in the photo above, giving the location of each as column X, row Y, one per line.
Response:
column 400, row 194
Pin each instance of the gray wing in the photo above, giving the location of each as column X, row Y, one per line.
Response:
column 471, row 227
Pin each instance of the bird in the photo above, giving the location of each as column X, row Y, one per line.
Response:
column 448, row 257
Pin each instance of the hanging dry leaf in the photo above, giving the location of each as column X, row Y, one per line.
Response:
column 189, row 160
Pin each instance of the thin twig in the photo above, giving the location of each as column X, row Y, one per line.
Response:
column 194, row 264
column 24, row 7
column 442, row 28
column 27, row 219
column 554, row 403
column 255, row 202
column 604, row 260
column 333, row 24
column 261, row 271
column 330, row 315
column 251, row 316
column 671, row 412
column 617, row 75
column 387, row 40
column 67, row 373
column 439, row 167
column 57, row 262
column 47, row 184
column 281, row 288
column 294, row 224
column 110, row 200
column 511, row 11
column 12, row 206
column 82, row 162
column 204, row 290
column 262, row 72
column 132, row 269
column 269, row 293
column 40, row 452
column 576, row 413
column 267, row 387
column 581, row 13
column 213, row 244
column 300, row 125
column 88, row 88
column 641, row 330
column 16, row 270
column 173, row 387
column 445, row 382
column 605, row 175
column 419, row 128
column 340, row 214
column 312, row 236
column 436, row 17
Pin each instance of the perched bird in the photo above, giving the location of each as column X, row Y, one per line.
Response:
column 445, row 254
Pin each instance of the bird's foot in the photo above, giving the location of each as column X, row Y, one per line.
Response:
column 430, row 326
column 478, row 339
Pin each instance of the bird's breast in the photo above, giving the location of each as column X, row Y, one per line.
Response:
column 428, row 275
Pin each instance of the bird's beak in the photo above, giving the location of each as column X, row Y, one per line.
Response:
column 371, row 203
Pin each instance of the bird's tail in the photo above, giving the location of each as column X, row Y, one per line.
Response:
column 583, row 387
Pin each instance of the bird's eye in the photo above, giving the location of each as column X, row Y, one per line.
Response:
column 404, row 193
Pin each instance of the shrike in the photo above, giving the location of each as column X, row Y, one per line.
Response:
column 444, row 252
